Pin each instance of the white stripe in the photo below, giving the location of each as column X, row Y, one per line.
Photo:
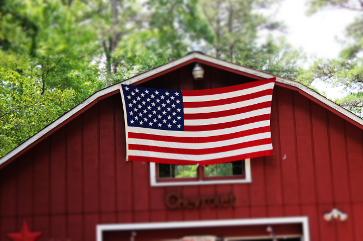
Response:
column 182, row 145
column 224, row 119
column 199, row 133
column 229, row 94
column 205, row 157
column 230, row 106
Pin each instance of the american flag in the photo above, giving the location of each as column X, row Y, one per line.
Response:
column 198, row 126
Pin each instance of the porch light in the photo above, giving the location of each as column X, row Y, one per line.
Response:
column 198, row 71
column 335, row 214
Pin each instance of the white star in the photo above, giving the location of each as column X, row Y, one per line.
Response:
column 156, row 92
column 174, row 113
column 178, row 110
column 164, row 112
column 172, row 97
column 179, row 126
column 143, row 102
column 168, row 108
column 178, row 101
column 146, row 91
column 134, row 101
column 152, row 96
column 149, row 107
column 159, row 116
column 131, row 113
column 159, row 108
column 154, row 112
column 136, row 90
column 140, row 114
column 148, row 99
column 128, row 97
column 173, row 105
column 178, row 117
column 159, row 125
column 177, row 93
column 141, row 122
column 167, row 93
column 169, row 125
column 132, row 93
column 154, row 120
column 139, row 106
column 127, row 88
column 132, row 121
column 164, row 121
column 130, row 105
column 149, row 115
column 138, row 98
column 162, row 97
column 145, row 111
column 153, row 104
column 145, row 119
column 169, row 117
column 136, row 118
column 135, row 109
column 168, row 101
column 150, row 123
column 157, row 100
column 163, row 105
column 142, row 94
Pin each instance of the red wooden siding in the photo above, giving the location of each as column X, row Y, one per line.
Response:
column 78, row 177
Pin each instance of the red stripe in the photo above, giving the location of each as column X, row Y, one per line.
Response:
column 200, row 151
column 226, row 89
column 230, row 112
column 209, row 162
column 198, row 139
column 228, row 124
column 228, row 100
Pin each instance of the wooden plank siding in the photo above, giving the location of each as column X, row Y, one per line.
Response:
column 78, row 177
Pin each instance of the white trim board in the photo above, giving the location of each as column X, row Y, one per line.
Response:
column 102, row 228
column 194, row 55
column 261, row 238
column 246, row 179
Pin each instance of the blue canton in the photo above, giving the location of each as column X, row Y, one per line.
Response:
column 154, row 108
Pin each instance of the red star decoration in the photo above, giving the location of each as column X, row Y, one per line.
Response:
column 25, row 234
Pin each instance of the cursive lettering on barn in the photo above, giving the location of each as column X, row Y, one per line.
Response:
column 178, row 201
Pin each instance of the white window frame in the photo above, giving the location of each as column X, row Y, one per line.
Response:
column 247, row 178
column 303, row 220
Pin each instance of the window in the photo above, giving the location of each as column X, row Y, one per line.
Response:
column 173, row 175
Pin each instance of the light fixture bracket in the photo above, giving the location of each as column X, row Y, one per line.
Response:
column 335, row 214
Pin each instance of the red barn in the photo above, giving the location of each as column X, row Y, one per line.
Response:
column 71, row 182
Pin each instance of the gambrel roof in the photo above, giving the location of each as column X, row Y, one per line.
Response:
column 188, row 59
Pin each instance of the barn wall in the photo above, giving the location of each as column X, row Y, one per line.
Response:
column 78, row 177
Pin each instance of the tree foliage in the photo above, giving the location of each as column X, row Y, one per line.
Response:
column 347, row 70
column 55, row 53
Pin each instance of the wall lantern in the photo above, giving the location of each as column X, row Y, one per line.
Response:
column 335, row 214
column 198, row 71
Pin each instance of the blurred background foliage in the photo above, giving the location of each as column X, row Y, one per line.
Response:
column 55, row 53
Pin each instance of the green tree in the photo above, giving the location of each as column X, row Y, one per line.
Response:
column 46, row 65
column 237, row 29
column 55, row 53
column 24, row 109
column 347, row 70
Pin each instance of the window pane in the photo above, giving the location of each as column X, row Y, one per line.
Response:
column 177, row 171
column 224, row 170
